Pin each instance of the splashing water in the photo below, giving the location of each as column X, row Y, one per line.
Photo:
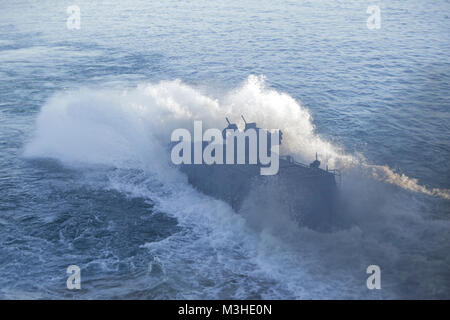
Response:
column 219, row 253
column 132, row 128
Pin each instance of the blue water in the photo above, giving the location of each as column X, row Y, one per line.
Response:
column 84, row 115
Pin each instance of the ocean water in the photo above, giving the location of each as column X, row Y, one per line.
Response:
column 85, row 117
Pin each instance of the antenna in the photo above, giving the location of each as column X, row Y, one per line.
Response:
column 316, row 155
column 243, row 119
column 228, row 120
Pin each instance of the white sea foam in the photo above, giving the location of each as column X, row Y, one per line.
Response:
column 132, row 128
column 218, row 254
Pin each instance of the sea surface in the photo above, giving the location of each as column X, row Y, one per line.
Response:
column 86, row 116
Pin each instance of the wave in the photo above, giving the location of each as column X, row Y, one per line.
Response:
column 132, row 128
column 258, row 253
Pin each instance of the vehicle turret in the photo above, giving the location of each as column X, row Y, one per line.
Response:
column 315, row 163
column 250, row 125
column 231, row 126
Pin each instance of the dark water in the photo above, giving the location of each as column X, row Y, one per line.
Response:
column 84, row 117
